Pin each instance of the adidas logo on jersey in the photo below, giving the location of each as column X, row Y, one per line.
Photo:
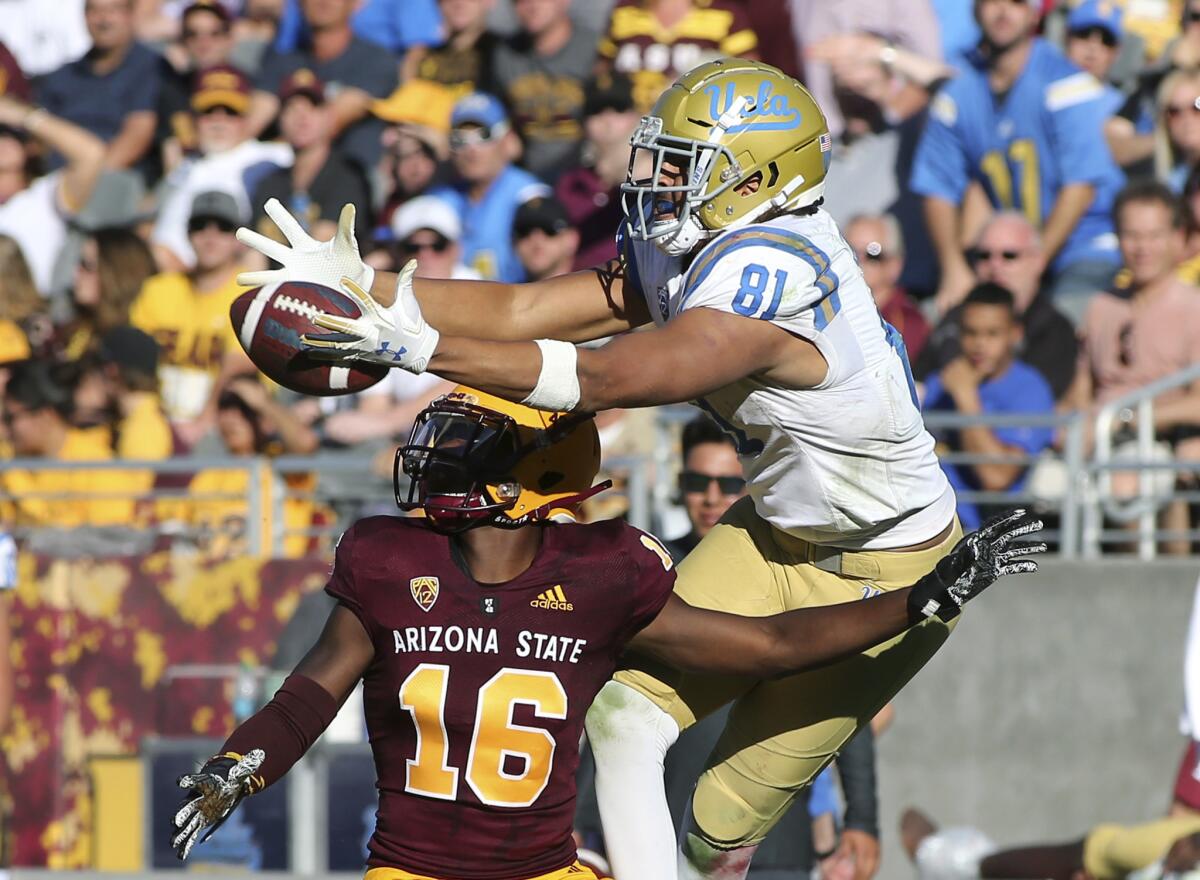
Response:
column 553, row 599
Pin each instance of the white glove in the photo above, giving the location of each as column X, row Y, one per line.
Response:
column 218, row 788
column 396, row 337
column 317, row 262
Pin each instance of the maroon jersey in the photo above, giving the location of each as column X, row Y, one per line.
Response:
column 476, row 697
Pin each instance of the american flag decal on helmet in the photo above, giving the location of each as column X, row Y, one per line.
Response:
column 826, row 142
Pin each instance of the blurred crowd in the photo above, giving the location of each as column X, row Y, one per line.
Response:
column 1019, row 180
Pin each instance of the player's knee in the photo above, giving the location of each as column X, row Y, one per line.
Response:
column 622, row 721
column 700, row 859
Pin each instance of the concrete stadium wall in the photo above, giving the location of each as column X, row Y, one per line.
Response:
column 1054, row 706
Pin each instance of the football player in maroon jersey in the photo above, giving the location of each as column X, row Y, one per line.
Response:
column 483, row 630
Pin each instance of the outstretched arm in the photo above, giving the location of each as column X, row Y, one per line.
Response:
column 699, row 640
column 268, row 743
column 578, row 307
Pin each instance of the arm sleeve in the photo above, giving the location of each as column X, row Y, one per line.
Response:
column 1078, row 110
column 285, row 728
column 940, row 165
column 856, row 767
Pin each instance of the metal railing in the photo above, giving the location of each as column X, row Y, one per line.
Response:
column 1144, row 507
column 1077, row 511
column 344, row 487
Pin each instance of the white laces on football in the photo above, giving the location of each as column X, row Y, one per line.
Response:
column 317, row 262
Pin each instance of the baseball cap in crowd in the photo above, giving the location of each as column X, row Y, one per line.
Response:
column 608, row 91
column 417, row 102
column 130, row 349
column 302, row 82
column 1103, row 14
column 221, row 86
column 546, row 214
column 426, row 212
column 480, row 109
column 216, row 205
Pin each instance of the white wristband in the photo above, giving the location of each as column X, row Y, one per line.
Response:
column 557, row 387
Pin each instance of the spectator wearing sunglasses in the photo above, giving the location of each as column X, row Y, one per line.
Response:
column 710, row 481
column 228, row 159
column 1177, row 137
column 320, row 180
column 1009, row 253
column 544, row 239
column 988, row 378
column 427, row 230
column 488, row 188
column 879, row 247
column 188, row 313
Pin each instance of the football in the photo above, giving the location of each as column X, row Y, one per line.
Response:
column 269, row 322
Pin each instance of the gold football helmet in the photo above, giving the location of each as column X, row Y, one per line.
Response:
column 475, row 459
column 722, row 124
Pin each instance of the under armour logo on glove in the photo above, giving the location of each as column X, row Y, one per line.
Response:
column 975, row 563
column 383, row 350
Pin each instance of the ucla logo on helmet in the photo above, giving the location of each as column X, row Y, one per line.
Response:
column 765, row 112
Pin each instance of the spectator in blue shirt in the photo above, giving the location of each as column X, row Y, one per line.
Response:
column 397, row 25
column 112, row 91
column 1026, row 125
column 488, row 188
column 987, row 378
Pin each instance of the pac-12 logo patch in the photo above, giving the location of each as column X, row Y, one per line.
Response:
column 424, row 591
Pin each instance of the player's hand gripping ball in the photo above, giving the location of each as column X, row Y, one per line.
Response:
column 395, row 337
column 975, row 563
column 213, row 794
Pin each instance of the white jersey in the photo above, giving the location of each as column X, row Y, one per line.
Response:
column 847, row 463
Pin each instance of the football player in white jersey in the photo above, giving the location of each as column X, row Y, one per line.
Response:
column 763, row 319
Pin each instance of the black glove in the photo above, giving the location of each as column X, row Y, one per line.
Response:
column 974, row 564
column 213, row 794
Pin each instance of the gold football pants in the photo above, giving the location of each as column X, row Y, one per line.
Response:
column 782, row 732
column 1112, row 852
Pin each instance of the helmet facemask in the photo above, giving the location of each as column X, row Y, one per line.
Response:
column 645, row 201
column 454, row 454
